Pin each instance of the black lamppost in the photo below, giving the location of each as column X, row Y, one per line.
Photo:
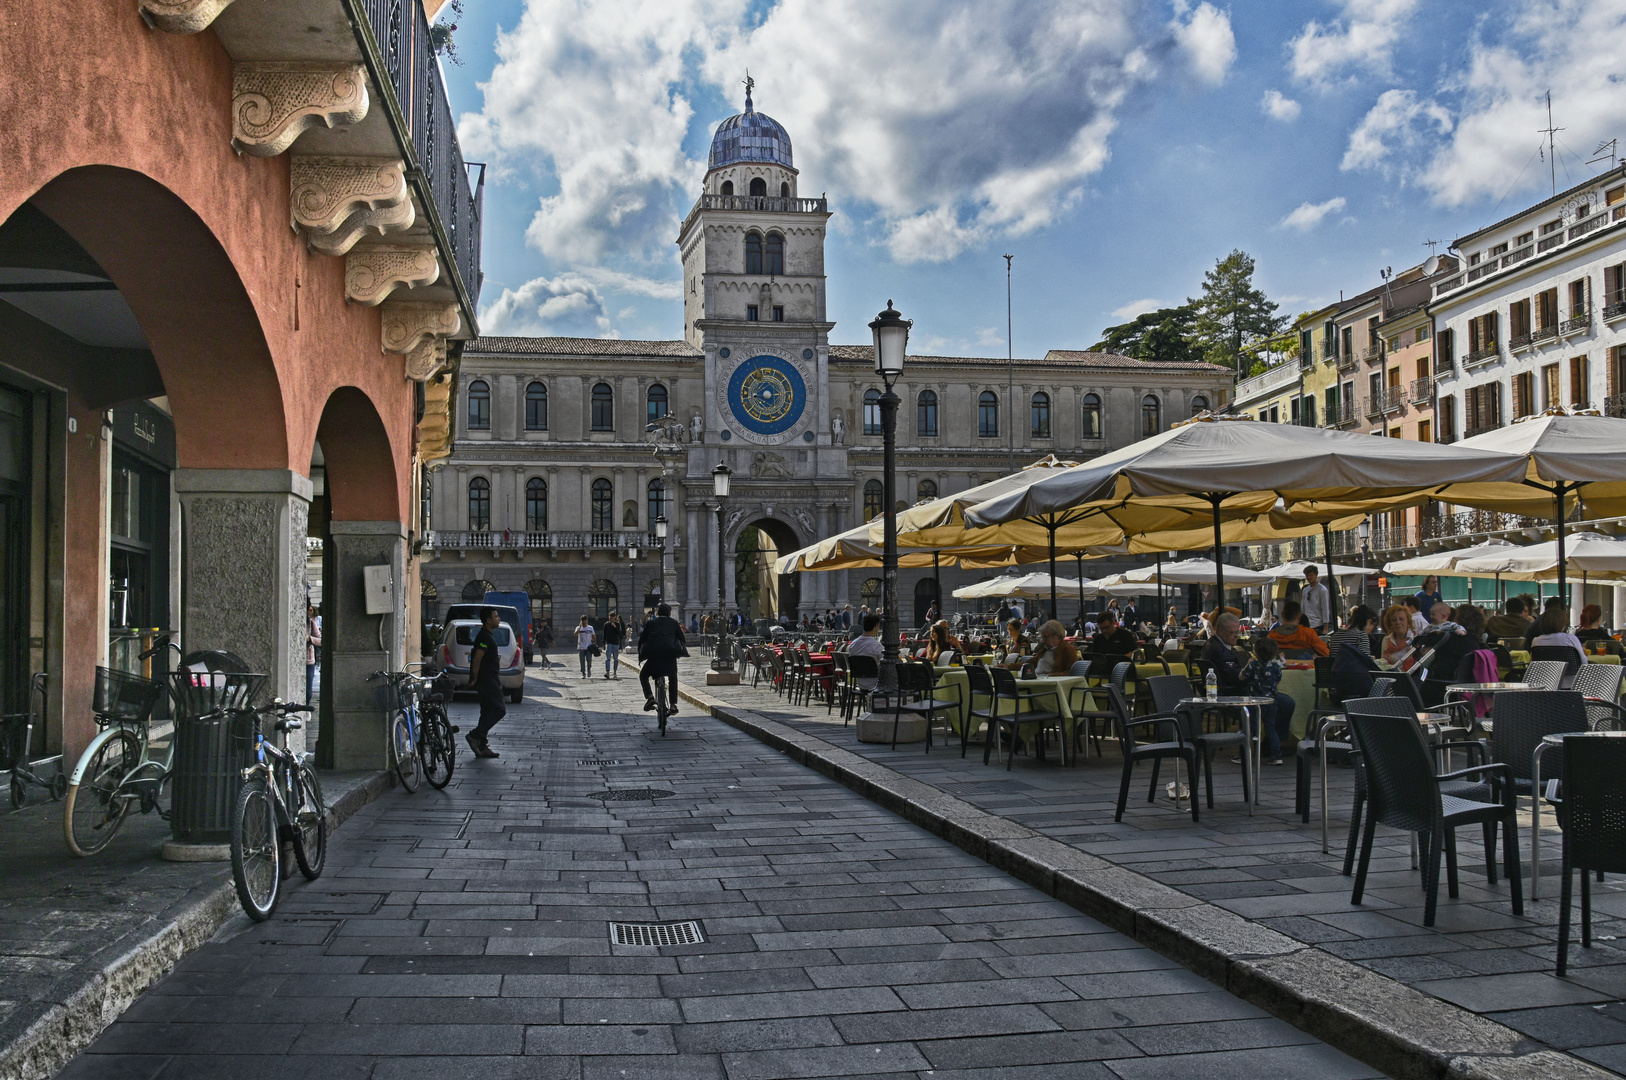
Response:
column 891, row 332
column 660, row 539
column 632, row 570
column 1364, row 531
column 721, row 662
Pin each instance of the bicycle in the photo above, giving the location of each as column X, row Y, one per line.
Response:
column 401, row 692
column 663, row 707
column 437, row 750
column 281, row 800
column 116, row 772
column 16, row 738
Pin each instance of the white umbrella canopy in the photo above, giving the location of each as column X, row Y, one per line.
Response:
column 1028, row 585
column 1592, row 554
column 1238, row 466
column 1198, row 572
column 854, row 549
column 1440, row 562
column 1296, row 568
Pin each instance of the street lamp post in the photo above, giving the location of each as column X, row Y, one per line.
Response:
column 891, row 332
column 632, row 570
column 660, row 538
column 722, row 671
column 1364, row 531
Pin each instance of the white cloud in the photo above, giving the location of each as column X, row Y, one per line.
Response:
column 957, row 121
column 1208, row 43
column 1357, row 44
column 566, row 306
column 1398, row 120
column 1136, row 307
column 1277, row 106
column 1309, row 215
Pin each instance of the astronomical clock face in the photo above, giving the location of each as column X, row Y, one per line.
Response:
column 766, row 397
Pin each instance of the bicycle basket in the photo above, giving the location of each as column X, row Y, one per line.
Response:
column 394, row 694
column 122, row 696
column 200, row 692
column 443, row 689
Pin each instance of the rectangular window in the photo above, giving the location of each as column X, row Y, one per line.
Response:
column 1614, row 380
column 1518, row 322
column 1547, row 310
column 1349, row 341
column 1445, row 350
column 1614, row 288
column 1275, row 414
column 1549, row 387
column 1524, row 393
column 1329, row 339
column 750, row 313
column 1614, row 195
column 1499, row 249
column 1425, row 432
column 1523, row 239
column 1306, row 348
column 1293, row 410
column 1422, row 333
column 1332, row 404
column 1578, row 382
column 988, row 416
column 1578, row 304
column 1445, row 412
column 778, row 313
column 926, row 415
column 1308, row 415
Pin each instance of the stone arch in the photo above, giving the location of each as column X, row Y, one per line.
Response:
column 361, row 480
column 201, row 324
column 757, row 589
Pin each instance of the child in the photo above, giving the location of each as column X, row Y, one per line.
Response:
column 1262, row 676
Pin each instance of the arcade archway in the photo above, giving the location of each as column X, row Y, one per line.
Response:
column 759, row 592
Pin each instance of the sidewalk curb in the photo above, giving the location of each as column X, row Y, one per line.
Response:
column 1378, row 1020
column 66, row 1028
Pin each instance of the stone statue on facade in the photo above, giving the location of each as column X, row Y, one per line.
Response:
column 838, row 427
column 697, row 426
column 668, row 434
column 769, row 466
column 805, row 519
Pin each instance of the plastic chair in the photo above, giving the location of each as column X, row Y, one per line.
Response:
column 981, row 685
column 1006, row 690
column 1544, row 674
column 1523, row 718
column 1167, row 693
column 1324, row 682
column 1170, row 743
column 1085, row 719
column 863, row 672
column 1404, row 793
column 929, row 704
column 1564, row 654
column 1592, row 814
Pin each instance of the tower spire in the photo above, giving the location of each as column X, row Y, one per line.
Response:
column 749, row 83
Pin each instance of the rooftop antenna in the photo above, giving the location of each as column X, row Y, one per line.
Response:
column 1432, row 244
column 1612, row 145
column 1388, row 297
column 1552, row 153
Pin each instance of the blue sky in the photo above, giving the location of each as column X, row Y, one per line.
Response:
column 1117, row 148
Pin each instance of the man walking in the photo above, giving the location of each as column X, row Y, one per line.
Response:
column 1316, row 602
column 485, row 679
column 586, row 639
column 659, row 647
column 614, row 636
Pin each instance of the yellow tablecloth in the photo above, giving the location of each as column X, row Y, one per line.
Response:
column 948, row 678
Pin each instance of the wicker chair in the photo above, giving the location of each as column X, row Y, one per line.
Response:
column 1404, row 793
column 1560, row 654
column 1591, row 805
column 1167, row 693
column 1170, row 742
column 1599, row 681
column 1544, row 674
column 1006, row 690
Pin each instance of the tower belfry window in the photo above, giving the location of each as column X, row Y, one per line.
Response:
column 728, row 187
column 753, row 253
column 759, row 187
column 784, row 190
column 775, row 261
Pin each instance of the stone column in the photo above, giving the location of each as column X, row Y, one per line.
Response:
column 694, row 548
column 358, row 644
column 243, row 569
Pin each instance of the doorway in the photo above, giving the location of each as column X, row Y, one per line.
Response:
column 759, row 592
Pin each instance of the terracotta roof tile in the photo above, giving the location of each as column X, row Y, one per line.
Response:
column 579, row 346
column 1053, row 358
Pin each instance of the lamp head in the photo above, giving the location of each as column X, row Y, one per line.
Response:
column 660, row 527
column 1364, row 530
column 891, row 331
column 719, row 480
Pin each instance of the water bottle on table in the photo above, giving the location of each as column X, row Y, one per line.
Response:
column 1211, row 682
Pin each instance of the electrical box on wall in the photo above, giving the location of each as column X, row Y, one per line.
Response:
column 379, row 588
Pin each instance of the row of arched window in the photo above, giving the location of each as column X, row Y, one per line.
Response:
column 602, row 406
column 1090, row 424
column 925, row 491
column 758, row 188
column 602, row 504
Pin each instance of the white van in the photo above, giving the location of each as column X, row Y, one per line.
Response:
column 458, row 639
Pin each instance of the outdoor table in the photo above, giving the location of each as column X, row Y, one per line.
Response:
column 1243, row 702
column 822, row 667
column 1535, row 795
column 1298, row 683
column 1468, row 690
column 1061, row 684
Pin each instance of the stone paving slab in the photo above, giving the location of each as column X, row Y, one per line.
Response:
column 1251, row 901
column 866, row 948
column 80, row 939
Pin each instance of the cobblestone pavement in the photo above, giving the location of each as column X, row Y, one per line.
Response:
column 465, row 933
column 1269, row 868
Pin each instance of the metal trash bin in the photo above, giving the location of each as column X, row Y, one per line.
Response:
column 206, row 770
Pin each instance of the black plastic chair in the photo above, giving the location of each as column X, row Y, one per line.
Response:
column 1325, row 683
column 981, row 685
column 1523, row 718
column 1404, row 793
column 1591, row 805
column 932, row 706
column 1085, row 720
column 1563, row 654
column 1170, row 743
column 863, row 672
column 1006, row 690
column 1167, row 692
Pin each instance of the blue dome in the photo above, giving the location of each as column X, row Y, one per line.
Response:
column 750, row 136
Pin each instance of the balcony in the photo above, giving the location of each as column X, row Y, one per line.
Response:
column 1471, row 432
column 1614, row 305
column 1615, row 405
column 514, row 540
column 1579, row 322
column 1372, row 352
column 1482, row 356
column 1448, row 285
column 1445, row 438
column 1470, row 522
column 1581, row 228
column 1422, row 390
column 1387, row 402
column 1542, row 333
column 1401, row 536
column 773, row 204
column 1340, row 416
column 1348, row 362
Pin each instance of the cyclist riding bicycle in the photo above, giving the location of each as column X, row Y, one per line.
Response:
column 659, row 646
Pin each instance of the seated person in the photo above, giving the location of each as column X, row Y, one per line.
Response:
column 868, row 643
column 1112, row 639
column 1590, row 629
column 1513, row 624
column 1536, row 630
column 1263, row 676
column 1397, row 635
column 1553, row 629
column 1055, row 655
column 1450, row 649
column 1419, row 621
column 1221, row 654
column 1357, row 630
column 1014, row 644
column 1439, row 619
column 1290, row 633
column 942, row 640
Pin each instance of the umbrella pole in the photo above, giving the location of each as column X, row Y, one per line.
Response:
column 1219, row 566
column 1160, row 615
column 1563, row 589
column 1050, row 528
column 1332, row 582
column 1079, row 556
column 937, row 586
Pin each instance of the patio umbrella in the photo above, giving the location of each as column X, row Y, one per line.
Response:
column 1221, row 466
column 1567, row 456
column 1590, row 553
column 1199, row 572
column 1297, row 567
column 1035, row 585
column 1438, row 562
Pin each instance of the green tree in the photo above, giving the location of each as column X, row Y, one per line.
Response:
column 1232, row 312
column 1162, row 335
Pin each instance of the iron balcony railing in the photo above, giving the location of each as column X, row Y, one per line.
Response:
column 1579, row 322
column 395, row 40
column 1482, row 355
column 1422, row 390
column 1373, row 352
column 1386, row 401
column 1482, row 429
column 1342, row 414
column 1614, row 304
column 1469, row 522
column 515, row 540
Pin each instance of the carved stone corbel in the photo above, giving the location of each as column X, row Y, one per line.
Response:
column 273, row 103
column 419, row 331
column 181, row 16
column 371, row 274
column 336, row 201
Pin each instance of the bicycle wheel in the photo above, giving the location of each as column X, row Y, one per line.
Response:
column 438, row 751
column 404, row 755
column 256, row 848
column 310, row 825
column 92, row 811
column 663, row 709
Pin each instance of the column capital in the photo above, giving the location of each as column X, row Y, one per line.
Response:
column 338, row 200
column 273, row 103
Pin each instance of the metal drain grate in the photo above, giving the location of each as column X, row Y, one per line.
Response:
column 669, row 933
column 634, row 794
column 599, row 761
